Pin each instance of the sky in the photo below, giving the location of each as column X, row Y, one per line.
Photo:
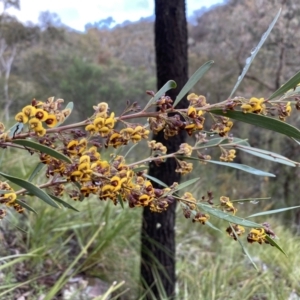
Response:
column 77, row 13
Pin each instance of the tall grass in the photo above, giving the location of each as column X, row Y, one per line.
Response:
column 103, row 241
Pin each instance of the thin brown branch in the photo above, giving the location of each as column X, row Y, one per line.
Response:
column 256, row 79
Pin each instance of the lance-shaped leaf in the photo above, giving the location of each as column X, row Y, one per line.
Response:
column 171, row 84
column 43, row 149
column 36, row 171
column 212, row 226
column 254, row 200
column 25, row 205
column 155, row 180
column 221, row 140
column 242, row 167
column 244, row 249
column 268, row 155
column 120, row 200
column 274, row 211
column 130, row 149
column 290, row 84
column 227, row 217
column 31, row 188
column 273, row 243
column 186, row 184
column 261, row 121
column 254, row 52
column 193, row 80
column 63, row 203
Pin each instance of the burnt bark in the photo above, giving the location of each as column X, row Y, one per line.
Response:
column 158, row 235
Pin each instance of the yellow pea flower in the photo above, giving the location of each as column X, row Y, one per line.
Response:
column 21, row 117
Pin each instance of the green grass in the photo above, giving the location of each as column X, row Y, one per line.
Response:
column 210, row 265
column 213, row 266
column 56, row 238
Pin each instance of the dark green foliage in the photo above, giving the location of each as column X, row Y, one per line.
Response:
column 87, row 84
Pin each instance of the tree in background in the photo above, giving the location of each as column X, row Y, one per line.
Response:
column 14, row 38
column 158, row 235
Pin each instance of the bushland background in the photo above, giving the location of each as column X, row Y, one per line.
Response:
column 116, row 65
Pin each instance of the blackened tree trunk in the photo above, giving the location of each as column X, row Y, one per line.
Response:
column 158, row 235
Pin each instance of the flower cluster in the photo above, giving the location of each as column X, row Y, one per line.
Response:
column 227, row 205
column 103, row 124
column 235, row 230
column 8, row 198
column 284, row 110
column 258, row 235
column 38, row 112
column 227, row 155
column 81, row 169
column 259, row 106
column 190, row 208
column 113, row 179
column 222, row 126
column 254, row 105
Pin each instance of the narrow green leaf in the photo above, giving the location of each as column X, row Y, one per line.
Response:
column 227, row 217
column 254, row 52
column 120, row 200
column 212, row 142
column 261, row 121
column 268, row 155
column 221, row 140
column 251, row 199
column 273, row 243
column 14, row 287
column 242, row 167
column 26, row 206
column 291, row 83
column 244, row 249
column 21, row 229
column 115, row 154
column 171, row 84
column 31, row 188
column 130, row 149
column 212, row 226
column 70, row 106
column 186, row 184
column 236, row 141
column 156, row 180
column 36, row 171
column 63, row 203
column 15, row 129
column 274, row 211
column 42, row 148
column 193, row 80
